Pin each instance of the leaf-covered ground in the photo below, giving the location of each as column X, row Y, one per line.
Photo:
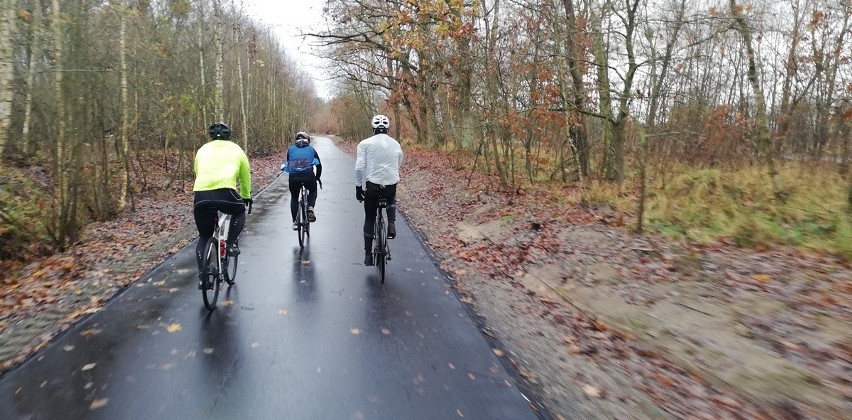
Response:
column 598, row 322
column 620, row 326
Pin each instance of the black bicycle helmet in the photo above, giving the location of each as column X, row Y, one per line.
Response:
column 219, row 131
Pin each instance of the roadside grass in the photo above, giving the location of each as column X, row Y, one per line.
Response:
column 22, row 213
column 704, row 205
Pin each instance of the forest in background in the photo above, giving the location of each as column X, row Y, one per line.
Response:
column 98, row 94
column 699, row 119
column 703, row 119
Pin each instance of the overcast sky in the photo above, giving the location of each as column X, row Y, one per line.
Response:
column 289, row 18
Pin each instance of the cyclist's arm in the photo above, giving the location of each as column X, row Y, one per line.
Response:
column 317, row 164
column 245, row 176
column 360, row 164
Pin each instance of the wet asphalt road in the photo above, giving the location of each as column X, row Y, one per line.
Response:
column 305, row 334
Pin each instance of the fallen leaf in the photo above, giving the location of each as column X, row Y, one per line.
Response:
column 90, row 332
column 762, row 278
column 385, row 331
column 90, row 366
column 227, row 302
column 68, row 348
column 208, row 350
column 592, row 391
column 498, row 352
column 355, row 331
column 96, row 404
column 282, row 312
column 174, row 327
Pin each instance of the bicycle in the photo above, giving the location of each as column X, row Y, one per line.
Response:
column 381, row 249
column 217, row 264
column 302, row 217
column 304, row 225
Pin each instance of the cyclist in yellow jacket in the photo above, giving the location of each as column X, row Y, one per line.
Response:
column 218, row 164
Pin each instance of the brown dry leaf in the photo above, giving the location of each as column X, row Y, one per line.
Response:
column 598, row 325
column 498, row 352
column 665, row 381
column 574, row 349
column 174, row 327
column 355, row 331
column 90, row 332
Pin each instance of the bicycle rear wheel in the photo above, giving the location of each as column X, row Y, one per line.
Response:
column 380, row 255
column 302, row 218
column 210, row 265
column 231, row 267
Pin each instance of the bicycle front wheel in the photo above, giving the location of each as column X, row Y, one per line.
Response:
column 231, row 268
column 210, row 265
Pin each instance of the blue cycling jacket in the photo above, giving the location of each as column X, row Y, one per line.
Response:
column 301, row 160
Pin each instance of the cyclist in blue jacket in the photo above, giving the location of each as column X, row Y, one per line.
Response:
column 301, row 160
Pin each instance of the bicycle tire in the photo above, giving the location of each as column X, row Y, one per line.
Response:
column 231, row 267
column 380, row 246
column 210, row 262
column 301, row 219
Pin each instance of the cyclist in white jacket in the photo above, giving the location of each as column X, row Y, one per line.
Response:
column 376, row 174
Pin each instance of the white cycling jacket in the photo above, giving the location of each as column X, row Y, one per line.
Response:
column 378, row 160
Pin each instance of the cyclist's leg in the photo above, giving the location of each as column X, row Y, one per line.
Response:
column 311, row 185
column 231, row 203
column 205, row 215
column 295, row 186
column 390, row 193
column 370, row 207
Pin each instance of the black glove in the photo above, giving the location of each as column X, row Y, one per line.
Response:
column 247, row 201
column 359, row 193
column 319, row 182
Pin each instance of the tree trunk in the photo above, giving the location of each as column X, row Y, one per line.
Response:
column 34, row 50
column 61, row 167
column 125, row 114
column 219, row 92
column 7, row 67
column 764, row 141
column 242, row 101
column 577, row 132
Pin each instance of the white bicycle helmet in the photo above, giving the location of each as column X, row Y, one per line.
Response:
column 302, row 139
column 381, row 121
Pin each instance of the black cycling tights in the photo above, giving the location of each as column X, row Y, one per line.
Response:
column 371, row 205
column 295, row 186
column 207, row 203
